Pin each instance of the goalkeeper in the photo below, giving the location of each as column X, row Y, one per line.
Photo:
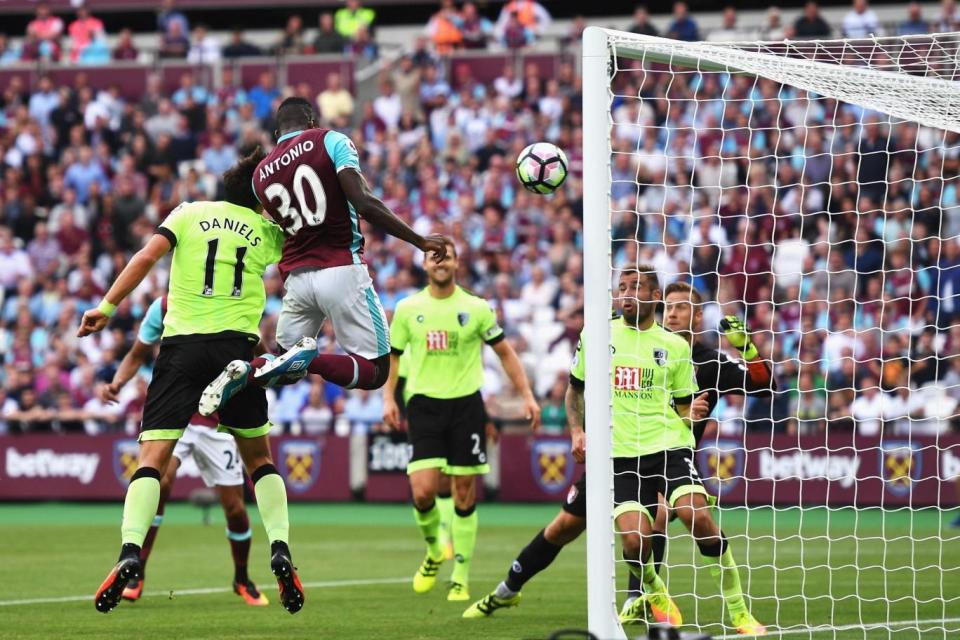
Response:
column 718, row 375
column 653, row 455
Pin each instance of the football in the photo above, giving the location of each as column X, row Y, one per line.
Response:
column 542, row 167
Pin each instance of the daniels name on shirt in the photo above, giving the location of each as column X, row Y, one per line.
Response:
column 241, row 228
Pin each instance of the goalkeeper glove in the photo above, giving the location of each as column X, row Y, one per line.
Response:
column 739, row 336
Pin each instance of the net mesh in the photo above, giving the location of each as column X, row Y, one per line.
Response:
column 810, row 188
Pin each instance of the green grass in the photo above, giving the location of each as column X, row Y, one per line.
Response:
column 818, row 567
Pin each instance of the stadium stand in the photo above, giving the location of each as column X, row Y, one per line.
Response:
column 94, row 156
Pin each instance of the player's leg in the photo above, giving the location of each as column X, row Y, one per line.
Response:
column 689, row 500
column 171, row 397
column 426, row 418
column 246, row 418
column 445, row 505
column 633, row 607
column 466, row 445
column 345, row 295
column 287, row 368
column 139, row 508
column 539, row 554
column 637, row 483
column 134, row 588
column 424, row 477
column 240, row 534
column 271, row 495
column 463, row 531
column 220, row 466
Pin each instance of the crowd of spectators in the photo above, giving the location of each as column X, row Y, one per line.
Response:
column 832, row 231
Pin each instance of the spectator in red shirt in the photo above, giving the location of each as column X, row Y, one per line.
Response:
column 82, row 32
column 46, row 27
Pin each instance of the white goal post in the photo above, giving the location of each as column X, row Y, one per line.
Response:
column 880, row 84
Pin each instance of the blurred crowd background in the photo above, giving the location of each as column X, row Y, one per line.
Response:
column 834, row 231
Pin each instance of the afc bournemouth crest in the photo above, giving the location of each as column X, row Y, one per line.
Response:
column 901, row 463
column 125, row 453
column 300, row 464
column 463, row 318
column 660, row 356
column 552, row 464
column 722, row 466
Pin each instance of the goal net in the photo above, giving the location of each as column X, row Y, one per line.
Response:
column 810, row 189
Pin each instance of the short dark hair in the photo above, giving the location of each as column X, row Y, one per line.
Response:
column 645, row 270
column 238, row 180
column 293, row 113
column 684, row 287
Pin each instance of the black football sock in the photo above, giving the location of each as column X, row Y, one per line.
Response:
column 535, row 557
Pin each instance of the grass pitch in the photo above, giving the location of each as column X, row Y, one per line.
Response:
column 868, row 575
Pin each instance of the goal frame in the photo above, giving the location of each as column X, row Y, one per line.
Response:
column 936, row 106
column 602, row 618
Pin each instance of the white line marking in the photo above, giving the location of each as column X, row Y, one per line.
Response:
column 208, row 590
column 923, row 624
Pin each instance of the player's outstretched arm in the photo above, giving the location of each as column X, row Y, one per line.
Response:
column 132, row 275
column 128, row 368
column 373, row 210
column 575, row 413
column 760, row 376
column 514, row 368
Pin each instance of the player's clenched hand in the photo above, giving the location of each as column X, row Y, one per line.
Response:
column 109, row 392
column 391, row 415
column 699, row 408
column 92, row 321
column 531, row 411
column 435, row 244
column 578, row 445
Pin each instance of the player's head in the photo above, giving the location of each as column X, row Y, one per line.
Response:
column 683, row 309
column 295, row 114
column 444, row 272
column 238, row 181
column 639, row 293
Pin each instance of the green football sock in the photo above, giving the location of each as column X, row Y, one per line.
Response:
column 464, row 530
column 727, row 577
column 272, row 503
column 445, row 505
column 140, row 505
column 429, row 523
column 652, row 583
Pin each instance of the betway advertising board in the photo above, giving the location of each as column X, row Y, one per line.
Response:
column 77, row 467
column 762, row 470
column 756, row 470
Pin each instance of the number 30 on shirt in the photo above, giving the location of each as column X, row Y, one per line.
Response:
column 304, row 177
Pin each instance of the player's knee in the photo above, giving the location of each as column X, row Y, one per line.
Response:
column 232, row 503
column 564, row 529
column 464, row 491
column 382, row 373
column 423, row 497
column 632, row 544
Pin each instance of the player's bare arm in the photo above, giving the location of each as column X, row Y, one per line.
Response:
column 391, row 412
column 372, row 209
column 514, row 368
column 132, row 275
column 131, row 363
column 573, row 400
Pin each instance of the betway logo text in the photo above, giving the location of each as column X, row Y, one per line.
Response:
column 46, row 463
column 949, row 466
column 809, row 466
